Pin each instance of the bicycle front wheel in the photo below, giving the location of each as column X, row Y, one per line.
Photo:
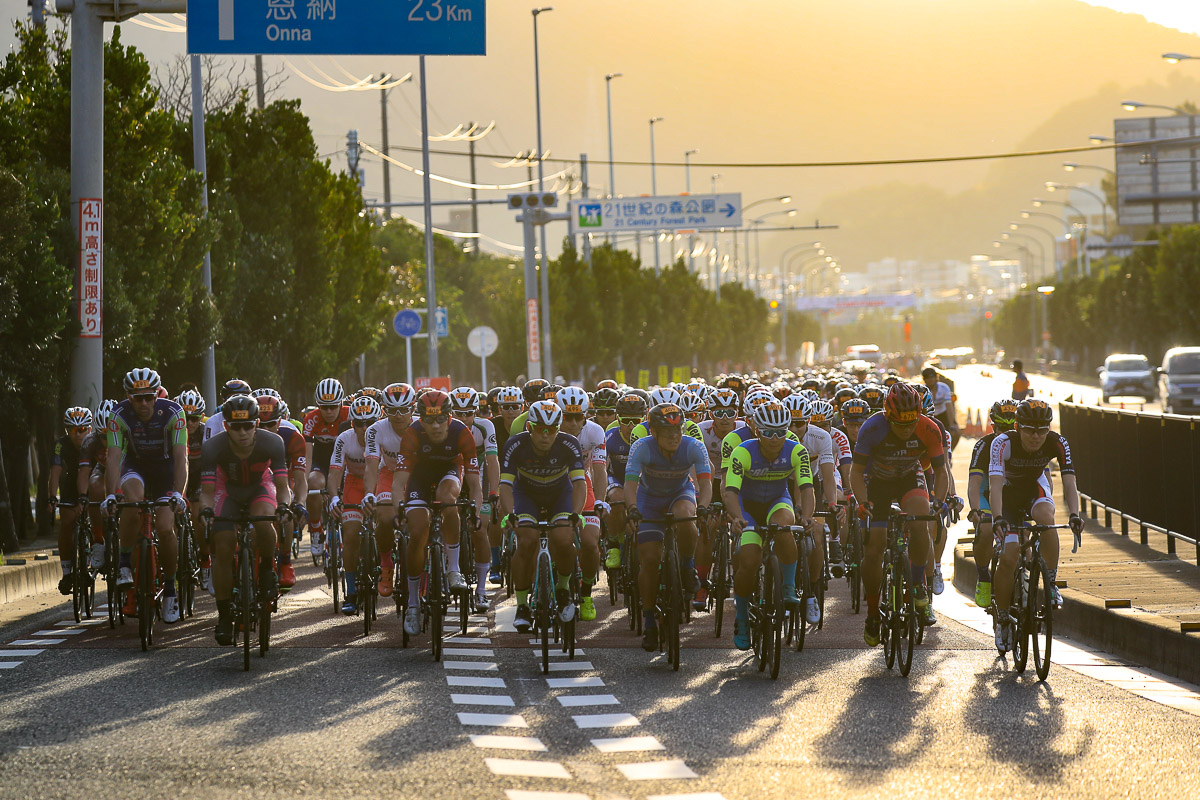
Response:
column 720, row 588
column 672, row 605
column 82, row 578
column 245, row 602
column 545, row 600
column 145, row 595
column 804, row 588
column 435, row 596
column 854, row 570
column 773, row 616
column 1040, row 617
column 1021, row 620
column 903, row 633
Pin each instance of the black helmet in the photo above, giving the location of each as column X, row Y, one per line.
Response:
column 856, row 409
column 492, row 403
column 735, row 382
column 666, row 415
column 873, row 396
column 1003, row 414
column 1034, row 413
column 232, row 387
column 532, row 390
column 240, row 408
column 642, row 393
column 631, row 405
column 549, row 391
column 842, row 395
column 605, row 398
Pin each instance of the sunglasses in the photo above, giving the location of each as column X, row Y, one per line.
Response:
column 269, row 425
column 1042, row 429
column 464, row 413
column 142, row 398
column 799, row 423
column 544, row 430
column 435, row 419
column 510, row 406
column 241, row 426
column 724, row 413
column 574, row 417
column 361, row 423
column 606, row 412
column 81, row 428
column 629, row 420
column 772, row 433
column 400, row 412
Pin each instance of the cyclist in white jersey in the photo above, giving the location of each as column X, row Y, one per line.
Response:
column 382, row 456
column 464, row 405
column 350, row 459
column 574, row 404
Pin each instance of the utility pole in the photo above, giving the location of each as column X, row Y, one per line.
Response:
column 585, row 236
column 387, row 175
column 208, row 375
column 474, row 191
column 430, row 287
column 259, row 91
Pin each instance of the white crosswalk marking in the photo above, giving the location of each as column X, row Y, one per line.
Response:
column 496, row 742
column 525, row 768
column 628, row 744
column 671, row 769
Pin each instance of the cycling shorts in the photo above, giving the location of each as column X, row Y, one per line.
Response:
column 157, row 477
column 233, row 501
column 1019, row 500
column 383, row 486
column 882, row 493
column 353, row 491
column 654, row 506
column 423, row 485
column 758, row 515
column 530, row 507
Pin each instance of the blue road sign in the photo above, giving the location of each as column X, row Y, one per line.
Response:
column 662, row 213
column 407, row 323
column 338, row 27
column 442, row 318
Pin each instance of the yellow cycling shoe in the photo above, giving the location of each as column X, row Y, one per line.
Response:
column 614, row 558
column 587, row 610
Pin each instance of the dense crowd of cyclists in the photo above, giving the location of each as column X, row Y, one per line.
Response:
column 766, row 486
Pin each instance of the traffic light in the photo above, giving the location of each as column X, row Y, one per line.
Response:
column 532, row 200
column 774, row 304
column 987, row 315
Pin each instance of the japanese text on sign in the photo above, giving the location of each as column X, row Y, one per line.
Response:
column 91, row 267
column 534, row 346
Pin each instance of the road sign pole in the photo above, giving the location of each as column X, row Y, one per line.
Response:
column 408, row 359
column 208, row 369
column 87, row 181
column 533, row 362
column 430, row 288
column 483, row 368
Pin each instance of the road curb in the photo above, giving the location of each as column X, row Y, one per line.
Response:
column 26, row 580
column 1127, row 633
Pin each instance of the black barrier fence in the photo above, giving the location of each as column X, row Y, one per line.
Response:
column 1142, row 469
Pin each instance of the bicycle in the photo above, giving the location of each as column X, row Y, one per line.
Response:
column 806, row 547
column 149, row 584
column 253, row 601
column 436, row 597
column 853, row 553
column 543, row 599
column 188, row 571
column 720, row 576
column 630, row 565
column 112, row 571
column 507, row 553
column 898, row 615
column 669, row 604
column 468, row 517
column 299, row 517
column 1031, row 609
column 612, row 576
column 831, row 520
column 400, row 568
column 83, row 587
column 318, row 560
column 767, row 606
column 331, row 555
column 368, row 570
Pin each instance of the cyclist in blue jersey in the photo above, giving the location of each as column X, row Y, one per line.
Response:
column 658, row 478
column 768, row 478
column 542, row 478
column 148, row 458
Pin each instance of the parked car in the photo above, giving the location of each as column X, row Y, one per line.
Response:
column 1180, row 384
column 1128, row 374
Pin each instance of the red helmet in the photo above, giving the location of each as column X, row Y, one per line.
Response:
column 902, row 404
column 434, row 403
column 607, row 383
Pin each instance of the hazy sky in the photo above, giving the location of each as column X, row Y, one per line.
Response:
column 1181, row 14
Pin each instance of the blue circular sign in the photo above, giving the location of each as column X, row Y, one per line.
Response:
column 407, row 322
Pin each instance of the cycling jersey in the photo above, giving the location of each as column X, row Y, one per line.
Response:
column 981, row 457
column 658, row 475
column 150, row 442
column 841, row 447
column 212, row 426
column 321, row 435
column 349, row 454
column 1008, row 459
column 741, row 433
column 502, row 431
column 418, row 453
column 237, row 482
column 757, row 479
column 642, row 430
column 712, row 441
column 195, row 449
column 886, row 456
column 94, row 451
column 383, row 444
column 616, row 448
column 66, row 457
column 522, row 467
column 293, row 446
column 593, row 443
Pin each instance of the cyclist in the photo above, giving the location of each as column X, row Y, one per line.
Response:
column 873, row 396
column 347, row 468
column 574, row 404
column 382, row 455
column 64, row 481
column 937, row 531
column 213, row 425
column 321, row 427
column 272, row 412
column 1003, row 415
column 1020, row 489
column 769, row 477
column 658, row 479
column 509, row 405
column 147, row 457
column 243, row 471
column 722, row 406
column 464, row 405
column 887, row 459
column 818, row 444
column 434, row 453
column 90, row 476
column 542, row 476
column 604, row 404
column 193, row 409
column 631, row 409
column 533, row 390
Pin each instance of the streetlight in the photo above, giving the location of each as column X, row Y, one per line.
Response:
column 1040, row 246
column 1054, row 186
column 754, row 225
column 548, row 361
column 1071, row 166
column 1175, row 58
column 687, row 184
column 1096, row 138
column 654, row 187
column 1032, row 296
column 612, row 167
column 1045, row 292
column 1134, row 105
column 1066, row 234
column 715, row 252
column 785, row 199
column 1053, row 239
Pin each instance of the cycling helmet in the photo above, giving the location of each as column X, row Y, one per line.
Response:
column 734, row 382
column 642, row 393
column 270, row 409
column 632, row 405
column 690, row 403
column 508, row 395
column 811, row 383
column 772, row 416
column 371, row 392
column 434, row 403
column 398, row 397
column 831, row 386
column 842, row 395
column 101, row 419
column 606, row 398
column 856, row 409
column 77, row 417
column 723, row 399
column 1003, row 414
column 692, row 386
column 666, row 415
column 192, row 402
column 142, row 380
column 329, row 392
column 544, row 412
column 781, row 390
column 753, row 400
column 902, row 404
column 809, row 394
column 240, row 408
column 795, row 404
column 493, row 405
column 532, row 391
column 1034, row 413
column 464, row 399
column 891, row 380
column 820, row 412
column 550, row 391
column 284, row 411
column 572, row 400
column 664, row 394
column 232, row 387
column 106, row 406
column 926, row 399
column 365, row 409
column 264, row 392
column 873, row 395
column 607, row 383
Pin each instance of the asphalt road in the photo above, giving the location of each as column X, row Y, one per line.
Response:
column 328, row 713
column 980, row 385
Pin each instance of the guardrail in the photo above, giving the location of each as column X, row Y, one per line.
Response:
column 1143, row 469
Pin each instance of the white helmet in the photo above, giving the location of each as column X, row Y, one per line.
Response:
column 510, row 394
column 77, row 417
column 365, row 408
column 398, row 395
column 329, row 392
column 664, row 394
column 544, row 412
column 690, row 403
column 141, row 380
column 772, row 416
column 819, row 410
column 572, row 400
column 795, row 403
column 753, row 400
column 264, row 392
column 192, row 402
column 464, row 400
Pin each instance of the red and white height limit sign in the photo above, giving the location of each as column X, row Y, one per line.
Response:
column 91, row 267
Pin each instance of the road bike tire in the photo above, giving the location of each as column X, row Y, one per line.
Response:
column 1021, row 621
column 111, row 573
column 886, row 617
column 672, row 606
column 1041, row 617
column 334, row 569
column 435, row 596
column 821, row 601
column 145, row 596
column 855, row 569
column 81, row 575
column 264, row 628
column 635, row 592
column 774, row 616
column 719, row 592
column 544, row 581
column 245, row 602
column 803, row 587
column 905, row 620
column 368, row 558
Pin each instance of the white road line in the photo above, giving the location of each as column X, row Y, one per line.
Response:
column 466, row 651
column 66, row 623
column 482, row 700
column 467, row 640
column 506, row 613
column 575, row 700
column 605, row 720
column 555, row 650
column 672, row 769
column 479, row 683
column 56, row 633
column 25, row 653
column 572, row 666
column 10, row 664
column 28, row 642
column 496, row 742
column 523, row 794
column 693, row 796
column 628, row 744
column 573, row 683
column 493, row 720
column 526, row 768
column 480, row 666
